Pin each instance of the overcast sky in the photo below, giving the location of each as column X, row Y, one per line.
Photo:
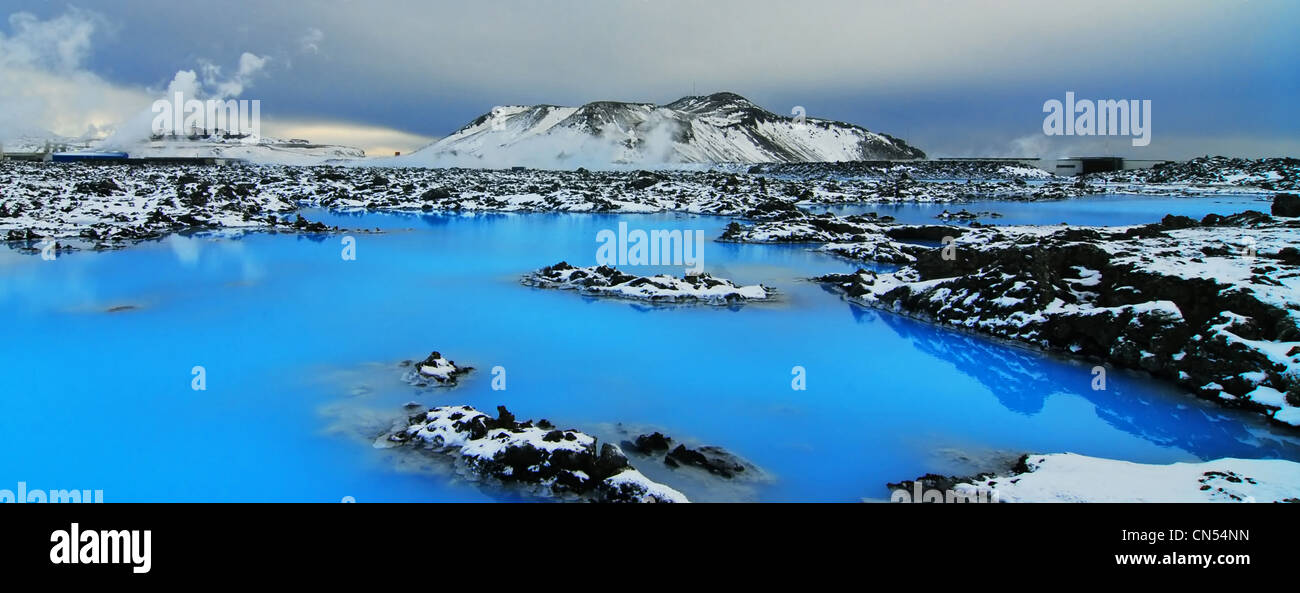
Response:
column 954, row 78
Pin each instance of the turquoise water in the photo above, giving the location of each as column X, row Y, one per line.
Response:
column 300, row 350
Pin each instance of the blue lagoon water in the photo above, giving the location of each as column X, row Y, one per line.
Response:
column 300, row 350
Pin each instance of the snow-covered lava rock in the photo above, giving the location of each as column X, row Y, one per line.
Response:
column 105, row 204
column 546, row 461
column 435, row 370
column 606, row 281
column 1207, row 173
column 1213, row 304
column 102, row 204
column 862, row 237
column 1069, row 477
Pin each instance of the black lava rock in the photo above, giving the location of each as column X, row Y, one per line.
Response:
column 1286, row 205
column 648, row 443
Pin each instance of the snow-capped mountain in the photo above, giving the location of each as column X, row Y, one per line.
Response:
column 718, row 128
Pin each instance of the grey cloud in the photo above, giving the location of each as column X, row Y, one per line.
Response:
column 429, row 67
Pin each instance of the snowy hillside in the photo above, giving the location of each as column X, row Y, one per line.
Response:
column 1069, row 477
column 718, row 128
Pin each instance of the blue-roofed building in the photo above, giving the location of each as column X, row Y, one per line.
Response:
column 99, row 157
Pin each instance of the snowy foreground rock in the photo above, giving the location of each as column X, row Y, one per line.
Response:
column 1067, row 477
column 610, row 282
column 1213, row 304
column 564, row 464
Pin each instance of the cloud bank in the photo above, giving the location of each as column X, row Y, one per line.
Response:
column 952, row 77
